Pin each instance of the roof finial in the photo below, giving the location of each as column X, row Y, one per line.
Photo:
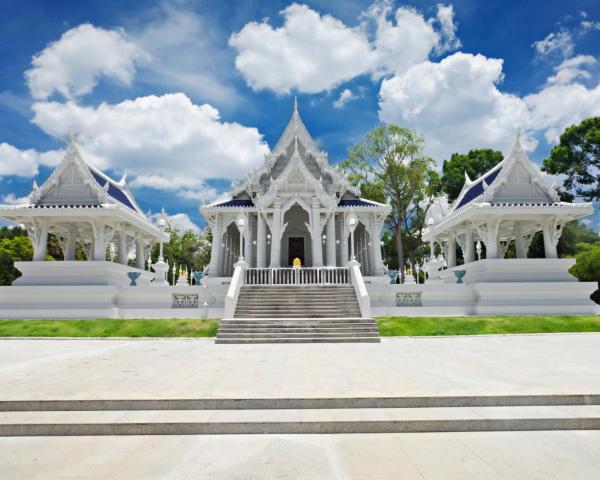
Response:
column 295, row 104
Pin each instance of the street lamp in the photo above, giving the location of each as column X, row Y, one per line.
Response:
column 352, row 222
column 241, row 223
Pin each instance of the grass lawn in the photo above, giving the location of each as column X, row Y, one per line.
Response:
column 109, row 327
column 397, row 326
column 388, row 326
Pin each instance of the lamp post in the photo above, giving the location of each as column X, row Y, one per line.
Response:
column 161, row 268
column 352, row 223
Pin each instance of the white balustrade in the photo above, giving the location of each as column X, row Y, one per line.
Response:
column 298, row 276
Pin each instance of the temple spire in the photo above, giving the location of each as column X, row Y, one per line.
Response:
column 295, row 104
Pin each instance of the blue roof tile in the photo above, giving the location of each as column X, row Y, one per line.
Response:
column 477, row 188
column 113, row 190
column 359, row 202
column 235, row 203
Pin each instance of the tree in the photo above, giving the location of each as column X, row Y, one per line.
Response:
column 578, row 157
column 475, row 163
column 390, row 164
column 587, row 266
column 12, row 250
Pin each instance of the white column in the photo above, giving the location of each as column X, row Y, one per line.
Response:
column 140, row 252
column 549, row 238
column 370, row 254
column 520, row 241
column 317, row 248
column 248, row 236
column 39, row 238
column 276, row 234
column 491, row 243
column 215, row 248
column 343, row 242
column 469, row 253
column 261, row 242
column 99, row 245
column 222, row 252
column 71, row 247
column 451, row 260
column 123, row 246
column 331, row 241
column 376, row 248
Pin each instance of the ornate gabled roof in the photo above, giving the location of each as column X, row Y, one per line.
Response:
column 105, row 189
column 295, row 137
column 486, row 187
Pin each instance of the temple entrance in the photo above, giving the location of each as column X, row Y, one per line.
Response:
column 296, row 250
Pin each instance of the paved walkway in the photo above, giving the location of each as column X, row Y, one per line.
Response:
column 431, row 456
column 112, row 369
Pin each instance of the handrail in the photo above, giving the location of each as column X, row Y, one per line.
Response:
column 298, row 276
column 237, row 280
column 362, row 295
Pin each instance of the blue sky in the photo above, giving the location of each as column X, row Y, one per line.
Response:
column 185, row 97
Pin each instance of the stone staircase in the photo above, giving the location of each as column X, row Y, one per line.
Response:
column 297, row 314
column 202, row 416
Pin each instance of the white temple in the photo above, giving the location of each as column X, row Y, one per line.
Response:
column 510, row 202
column 83, row 206
column 297, row 206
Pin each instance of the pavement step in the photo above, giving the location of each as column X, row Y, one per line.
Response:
column 299, row 421
column 299, row 403
column 291, row 329
column 287, row 334
column 307, row 339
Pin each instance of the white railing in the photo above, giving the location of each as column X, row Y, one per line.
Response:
column 360, row 288
column 298, row 276
column 237, row 280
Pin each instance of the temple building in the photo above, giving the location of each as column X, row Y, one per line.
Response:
column 82, row 206
column 297, row 205
column 510, row 202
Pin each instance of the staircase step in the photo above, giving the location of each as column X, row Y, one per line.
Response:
column 307, row 339
column 299, row 421
column 276, row 335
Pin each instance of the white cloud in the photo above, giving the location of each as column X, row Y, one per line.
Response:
column 572, row 69
column 25, row 163
column 189, row 53
column 12, row 199
column 73, row 65
column 312, row 53
column 167, row 141
column 556, row 107
column 180, row 221
column 590, row 25
column 560, row 43
column 449, row 41
column 345, row 96
column 455, row 103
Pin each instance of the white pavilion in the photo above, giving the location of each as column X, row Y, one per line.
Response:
column 510, row 202
column 297, row 205
column 82, row 206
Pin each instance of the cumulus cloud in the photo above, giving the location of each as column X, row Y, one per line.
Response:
column 556, row 107
column 345, row 96
column 180, row 221
column 73, row 65
column 12, row 199
column 560, row 43
column 312, row 53
column 166, row 141
column 572, row 69
column 25, row 163
column 455, row 103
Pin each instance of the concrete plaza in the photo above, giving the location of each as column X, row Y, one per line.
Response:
column 196, row 369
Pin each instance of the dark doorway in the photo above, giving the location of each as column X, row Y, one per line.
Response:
column 296, row 250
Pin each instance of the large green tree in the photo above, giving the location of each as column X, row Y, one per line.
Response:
column 390, row 164
column 587, row 266
column 475, row 163
column 577, row 156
